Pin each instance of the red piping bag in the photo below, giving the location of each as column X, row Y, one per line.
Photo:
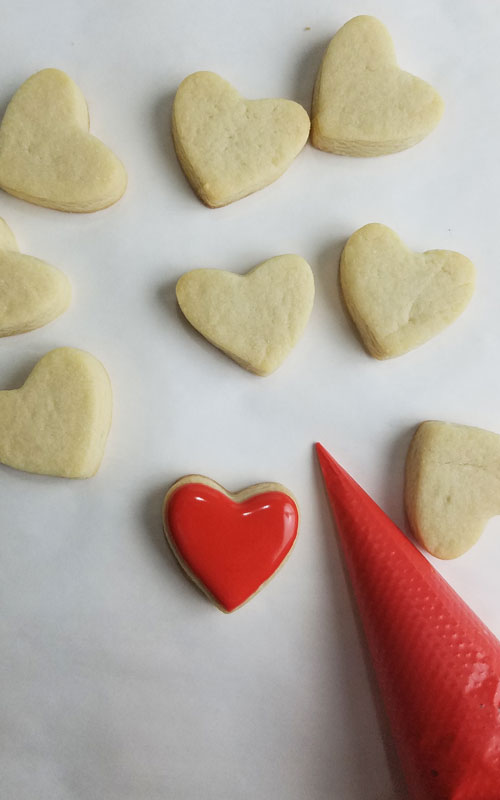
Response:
column 437, row 665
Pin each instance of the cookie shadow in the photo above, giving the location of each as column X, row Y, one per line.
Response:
column 152, row 516
column 327, row 274
column 162, row 120
column 8, row 91
column 307, row 70
column 392, row 491
column 165, row 295
column 345, row 604
column 23, row 365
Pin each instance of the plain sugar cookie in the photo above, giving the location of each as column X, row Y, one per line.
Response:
column 452, row 485
column 363, row 103
column 399, row 299
column 229, row 544
column 47, row 155
column 256, row 318
column 32, row 292
column 230, row 147
column 58, row 422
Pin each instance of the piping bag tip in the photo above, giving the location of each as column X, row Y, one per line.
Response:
column 436, row 664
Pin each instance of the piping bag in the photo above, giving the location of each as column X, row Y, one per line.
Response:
column 436, row 663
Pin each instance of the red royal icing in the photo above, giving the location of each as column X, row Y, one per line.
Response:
column 232, row 548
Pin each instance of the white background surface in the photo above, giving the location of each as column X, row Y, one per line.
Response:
column 119, row 680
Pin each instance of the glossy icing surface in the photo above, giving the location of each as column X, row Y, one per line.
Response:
column 230, row 547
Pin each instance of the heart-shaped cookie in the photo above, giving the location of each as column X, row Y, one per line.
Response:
column 47, row 155
column 230, row 147
column 452, row 485
column 32, row 292
column 399, row 299
column 58, row 422
column 363, row 103
column 256, row 318
column 229, row 544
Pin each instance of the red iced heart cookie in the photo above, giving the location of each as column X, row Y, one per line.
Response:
column 229, row 544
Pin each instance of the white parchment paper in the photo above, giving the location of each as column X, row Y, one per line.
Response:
column 119, row 681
